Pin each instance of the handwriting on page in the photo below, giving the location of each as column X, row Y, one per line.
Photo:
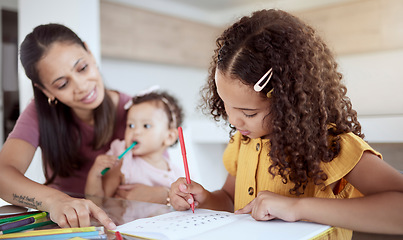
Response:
column 180, row 224
column 183, row 222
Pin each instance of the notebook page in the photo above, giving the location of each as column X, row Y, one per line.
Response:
column 179, row 224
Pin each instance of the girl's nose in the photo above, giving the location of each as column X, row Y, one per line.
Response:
column 235, row 120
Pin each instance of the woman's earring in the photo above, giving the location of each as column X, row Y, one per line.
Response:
column 52, row 102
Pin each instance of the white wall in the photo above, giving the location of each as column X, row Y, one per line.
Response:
column 375, row 82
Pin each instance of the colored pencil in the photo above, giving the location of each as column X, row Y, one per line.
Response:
column 120, row 156
column 118, row 235
column 185, row 162
column 65, row 235
column 51, row 231
column 18, row 216
column 22, row 222
column 9, row 233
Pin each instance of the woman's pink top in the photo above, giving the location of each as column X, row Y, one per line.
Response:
column 27, row 129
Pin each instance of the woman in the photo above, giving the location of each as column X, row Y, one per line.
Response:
column 73, row 118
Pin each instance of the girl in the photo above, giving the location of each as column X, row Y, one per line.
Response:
column 152, row 122
column 298, row 152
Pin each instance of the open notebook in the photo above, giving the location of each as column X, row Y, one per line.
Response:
column 208, row 224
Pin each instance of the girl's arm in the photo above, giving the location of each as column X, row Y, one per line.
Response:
column 379, row 211
column 222, row 199
column 15, row 158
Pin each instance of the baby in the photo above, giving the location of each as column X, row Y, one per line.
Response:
column 152, row 122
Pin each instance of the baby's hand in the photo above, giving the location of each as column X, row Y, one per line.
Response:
column 181, row 193
column 102, row 162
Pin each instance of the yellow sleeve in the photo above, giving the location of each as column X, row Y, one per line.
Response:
column 352, row 149
column 231, row 154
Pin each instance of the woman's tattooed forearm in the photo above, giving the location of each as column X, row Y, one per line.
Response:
column 27, row 201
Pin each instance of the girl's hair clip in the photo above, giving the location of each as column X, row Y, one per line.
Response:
column 259, row 86
column 140, row 94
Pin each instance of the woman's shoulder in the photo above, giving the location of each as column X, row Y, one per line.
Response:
column 26, row 127
column 118, row 98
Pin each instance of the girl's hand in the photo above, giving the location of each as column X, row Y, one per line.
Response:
column 74, row 212
column 268, row 205
column 181, row 193
column 102, row 162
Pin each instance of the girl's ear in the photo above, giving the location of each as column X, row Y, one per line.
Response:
column 172, row 136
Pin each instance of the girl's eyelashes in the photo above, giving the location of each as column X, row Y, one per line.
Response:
column 147, row 126
column 250, row 115
column 130, row 125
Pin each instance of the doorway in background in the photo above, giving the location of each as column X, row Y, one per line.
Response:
column 9, row 72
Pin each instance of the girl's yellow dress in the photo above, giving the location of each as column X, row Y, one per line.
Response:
column 249, row 162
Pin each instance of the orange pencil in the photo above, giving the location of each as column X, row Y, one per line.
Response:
column 185, row 161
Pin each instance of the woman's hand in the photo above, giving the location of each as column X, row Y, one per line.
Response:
column 181, row 193
column 74, row 212
column 268, row 205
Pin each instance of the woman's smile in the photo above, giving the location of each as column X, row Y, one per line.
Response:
column 90, row 97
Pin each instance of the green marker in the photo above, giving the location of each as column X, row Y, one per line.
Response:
column 120, row 156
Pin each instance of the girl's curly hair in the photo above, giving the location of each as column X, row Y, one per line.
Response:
column 309, row 108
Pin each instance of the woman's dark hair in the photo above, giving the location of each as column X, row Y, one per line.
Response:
column 168, row 102
column 309, row 108
column 59, row 133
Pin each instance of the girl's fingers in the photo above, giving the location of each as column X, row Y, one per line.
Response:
column 246, row 209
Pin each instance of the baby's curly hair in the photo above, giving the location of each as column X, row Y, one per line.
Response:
column 309, row 108
column 168, row 102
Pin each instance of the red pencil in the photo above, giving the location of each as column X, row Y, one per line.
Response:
column 118, row 235
column 185, row 161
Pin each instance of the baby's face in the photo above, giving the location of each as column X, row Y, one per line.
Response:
column 147, row 124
